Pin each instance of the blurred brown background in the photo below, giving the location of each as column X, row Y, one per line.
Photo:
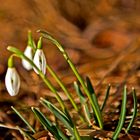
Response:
column 98, row 28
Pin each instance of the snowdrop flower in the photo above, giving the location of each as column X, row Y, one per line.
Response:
column 12, row 79
column 39, row 58
column 40, row 61
column 29, row 53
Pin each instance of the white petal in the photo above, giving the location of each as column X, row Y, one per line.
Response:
column 29, row 53
column 12, row 81
column 40, row 61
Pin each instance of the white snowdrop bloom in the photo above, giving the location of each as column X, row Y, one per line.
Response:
column 29, row 53
column 40, row 61
column 12, row 81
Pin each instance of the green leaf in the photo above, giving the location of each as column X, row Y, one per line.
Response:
column 89, row 86
column 48, row 125
column 79, row 92
column 134, row 112
column 83, row 103
column 22, row 118
column 25, row 134
column 93, row 99
column 106, row 97
column 59, row 114
column 122, row 115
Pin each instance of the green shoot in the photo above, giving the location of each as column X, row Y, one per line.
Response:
column 134, row 112
column 106, row 97
column 23, row 119
column 122, row 115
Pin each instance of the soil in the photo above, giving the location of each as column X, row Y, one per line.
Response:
column 103, row 40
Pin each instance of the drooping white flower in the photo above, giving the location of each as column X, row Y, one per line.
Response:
column 40, row 61
column 12, row 81
column 29, row 53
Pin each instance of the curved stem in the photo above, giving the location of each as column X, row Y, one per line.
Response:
column 97, row 112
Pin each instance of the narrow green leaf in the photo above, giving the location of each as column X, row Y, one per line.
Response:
column 25, row 121
column 106, row 97
column 93, row 99
column 134, row 112
column 122, row 115
column 83, row 103
column 89, row 86
column 48, row 125
column 77, row 136
column 25, row 134
column 59, row 114
column 79, row 93
column 62, row 86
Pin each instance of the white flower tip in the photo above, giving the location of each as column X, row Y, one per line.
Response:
column 29, row 53
column 40, row 61
column 12, row 81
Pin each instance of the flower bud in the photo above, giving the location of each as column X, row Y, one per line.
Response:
column 12, row 81
column 29, row 53
column 40, row 61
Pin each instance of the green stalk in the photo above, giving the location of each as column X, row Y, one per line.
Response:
column 65, row 90
column 77, row 136
column 63, row 87
column 122, row 115
column 97, row 112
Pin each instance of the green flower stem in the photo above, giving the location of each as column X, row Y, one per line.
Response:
column 39, row 44
column 65, row 90
column 31, row 42
column 97, row 112
column 10, row 61
column 44, row 78
column 62, row 86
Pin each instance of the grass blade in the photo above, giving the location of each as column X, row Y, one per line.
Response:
column 48, row 125
column 106, row 97
column 79, row 93
column 134, row 112
column 22, row 118
column 83, row 103
column 63, row 117
column 25, row 134
column 59, row 114
column 122, row 115
column 94, row 98
column 63, row 87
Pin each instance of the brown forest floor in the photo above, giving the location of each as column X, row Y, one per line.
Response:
column 104, row 45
